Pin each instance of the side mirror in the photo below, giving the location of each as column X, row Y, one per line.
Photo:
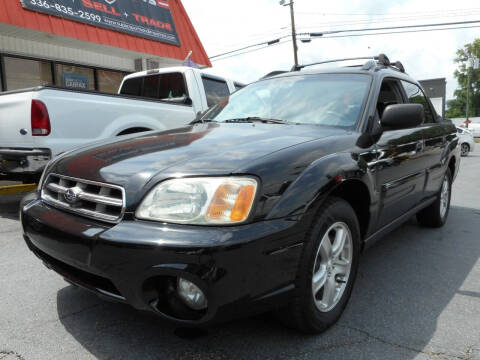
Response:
column 402, row 116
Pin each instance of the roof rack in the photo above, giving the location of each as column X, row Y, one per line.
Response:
column 372, row 62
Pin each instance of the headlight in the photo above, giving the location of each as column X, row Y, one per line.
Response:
column 202, row 201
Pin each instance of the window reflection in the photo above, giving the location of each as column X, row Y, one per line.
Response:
column 109, row 81
column 74, row 77
column 26, row 73
column 321, row 99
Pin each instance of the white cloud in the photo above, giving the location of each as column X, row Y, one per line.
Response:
column 227, row 25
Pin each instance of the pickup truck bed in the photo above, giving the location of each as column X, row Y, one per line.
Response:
column 39, row 123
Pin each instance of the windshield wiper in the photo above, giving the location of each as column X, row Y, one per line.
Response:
column 250, row 119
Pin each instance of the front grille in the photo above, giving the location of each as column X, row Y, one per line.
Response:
column 88, row 198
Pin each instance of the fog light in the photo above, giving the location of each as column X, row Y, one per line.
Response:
column 191, row 294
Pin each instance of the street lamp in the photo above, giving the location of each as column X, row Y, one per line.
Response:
column 294, row 34
column 474, row 64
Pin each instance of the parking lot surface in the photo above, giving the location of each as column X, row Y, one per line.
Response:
column 417, row 296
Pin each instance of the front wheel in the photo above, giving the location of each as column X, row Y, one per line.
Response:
column 436, row 214
column 327, row 268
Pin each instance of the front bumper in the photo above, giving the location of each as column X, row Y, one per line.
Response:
column 23, row 160
column 241, row 269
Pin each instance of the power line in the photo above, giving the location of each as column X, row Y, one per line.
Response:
column 283, row 33
column 402, row 32
column 279, row 32
column 400, row 27
column 248, row 47
column 339, row 36
column 253, row 50
column 322, row 33
column 382, row 14
column 388, row 20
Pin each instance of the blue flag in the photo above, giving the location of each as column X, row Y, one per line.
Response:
column 190, row 63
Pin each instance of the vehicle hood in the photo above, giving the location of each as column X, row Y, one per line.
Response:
column 201, row 149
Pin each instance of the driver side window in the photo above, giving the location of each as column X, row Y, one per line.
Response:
column 390, row 94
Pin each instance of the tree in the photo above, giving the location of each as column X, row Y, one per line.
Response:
column 457, row 107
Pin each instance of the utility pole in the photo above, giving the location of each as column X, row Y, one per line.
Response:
column 468, row 98
column 473, row 66
column 294, row 33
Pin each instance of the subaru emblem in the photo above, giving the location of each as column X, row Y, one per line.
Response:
column 71, row 195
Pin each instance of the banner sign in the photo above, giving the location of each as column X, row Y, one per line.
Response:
column 75, row 81
column 149, row 19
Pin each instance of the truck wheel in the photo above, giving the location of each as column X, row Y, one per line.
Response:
column 327, row 270
column 435, row 215
column 464, row 149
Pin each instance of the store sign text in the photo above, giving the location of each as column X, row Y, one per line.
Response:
column 150, row 19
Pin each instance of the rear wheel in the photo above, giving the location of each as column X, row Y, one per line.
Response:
column 464, row 149
column 327, row 268
column 436, row 214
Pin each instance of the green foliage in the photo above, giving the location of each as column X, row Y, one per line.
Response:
column 457, row 107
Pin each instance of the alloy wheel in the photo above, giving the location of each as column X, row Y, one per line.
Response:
column 444, row 197
column 332, row 266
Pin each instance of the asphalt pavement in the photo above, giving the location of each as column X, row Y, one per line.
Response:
column 417, row 296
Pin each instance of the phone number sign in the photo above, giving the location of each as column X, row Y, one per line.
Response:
column 149, row 19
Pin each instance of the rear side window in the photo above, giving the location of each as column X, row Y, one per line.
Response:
column 215, row 90
column 151, row 86
column 172, row 87
column 416, row 96
column 166, row 87
column 132, row 86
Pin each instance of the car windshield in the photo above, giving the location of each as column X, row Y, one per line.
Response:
column 319, row 99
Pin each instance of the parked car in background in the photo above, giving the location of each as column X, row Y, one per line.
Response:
column 466, row 141
column 263, row 203
column 474, row 128
column 38, row 124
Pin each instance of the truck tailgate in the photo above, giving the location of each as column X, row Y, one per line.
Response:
column 15, row 120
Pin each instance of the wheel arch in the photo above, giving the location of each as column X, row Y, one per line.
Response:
column 357, row 195
column 133, row 130
column 337, row 175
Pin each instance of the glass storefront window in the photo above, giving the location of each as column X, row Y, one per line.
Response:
column 109, row 81
column 74, row 77
column 25, row 73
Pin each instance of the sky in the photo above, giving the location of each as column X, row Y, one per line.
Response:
column 225, row 25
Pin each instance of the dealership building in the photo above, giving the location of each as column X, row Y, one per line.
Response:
column 91, row 44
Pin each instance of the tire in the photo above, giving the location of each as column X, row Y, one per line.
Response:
column 464, row 149
column 436, row 214
column 309, row 312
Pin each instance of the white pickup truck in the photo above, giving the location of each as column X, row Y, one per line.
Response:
column 38, row 124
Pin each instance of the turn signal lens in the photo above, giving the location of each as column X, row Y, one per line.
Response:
column 222, row 202
column 244, row 202
column 231, row 203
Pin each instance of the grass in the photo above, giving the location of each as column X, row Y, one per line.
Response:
column 477, row 140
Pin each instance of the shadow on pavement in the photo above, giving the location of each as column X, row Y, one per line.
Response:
column 404, row 284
